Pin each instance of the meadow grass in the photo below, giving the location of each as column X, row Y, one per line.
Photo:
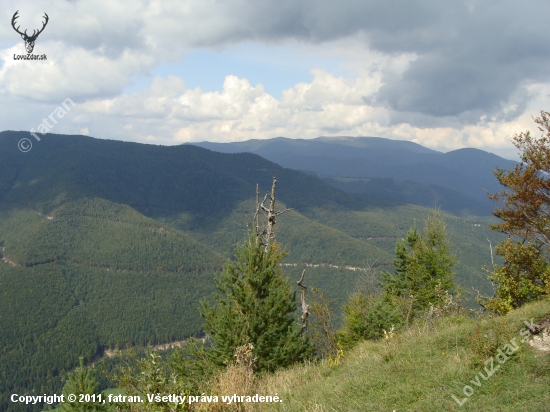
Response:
column 420, row 370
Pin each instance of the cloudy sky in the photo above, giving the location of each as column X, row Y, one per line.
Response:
column 445, row 74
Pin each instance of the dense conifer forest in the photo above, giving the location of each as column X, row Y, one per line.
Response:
column 109, row 244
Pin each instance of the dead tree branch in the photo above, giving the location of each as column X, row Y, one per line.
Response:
column 491, row 249
column 256, row 215
column 481, row 299
column 305, row 306
column 269, row 231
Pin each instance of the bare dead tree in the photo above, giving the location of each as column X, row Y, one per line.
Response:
column 257, row 214
column 480, row 298
column 430, row 318
column 256, row 220
column 268, row 232
column 320, row 325
column 367, row 281
column 305, row 306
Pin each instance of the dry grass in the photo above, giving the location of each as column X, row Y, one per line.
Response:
column 237, row 379
column 424, row 369
column 416, row 370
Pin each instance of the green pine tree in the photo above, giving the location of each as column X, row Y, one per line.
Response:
column 366, row 317
column 404, row 279
column 255, row 305
column 423, row 266
column 81, row 382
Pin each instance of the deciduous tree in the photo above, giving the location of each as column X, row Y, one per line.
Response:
column 525, row 213
column 367, row 313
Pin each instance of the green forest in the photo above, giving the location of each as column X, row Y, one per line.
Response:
column 108, row 244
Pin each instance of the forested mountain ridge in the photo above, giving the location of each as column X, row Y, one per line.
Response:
column 109, row 243
column 459, row 174
column 155, row 180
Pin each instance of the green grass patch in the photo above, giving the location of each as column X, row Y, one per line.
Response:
column 421, row 370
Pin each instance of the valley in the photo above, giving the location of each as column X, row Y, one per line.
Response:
column 108, row 244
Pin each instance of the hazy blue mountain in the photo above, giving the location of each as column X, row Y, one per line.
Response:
column 411, row 193
column 155, row 180
column 319, row 146
column 465, row 171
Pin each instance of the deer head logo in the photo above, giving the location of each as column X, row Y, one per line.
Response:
column 29, row 40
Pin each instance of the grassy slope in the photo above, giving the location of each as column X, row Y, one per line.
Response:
column 423, row 370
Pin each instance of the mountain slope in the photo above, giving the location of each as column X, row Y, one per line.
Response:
column 204, row 195
column 91, row 275
column 465, row 171
column 85, row 267
column 410, row 193
column 107, row 243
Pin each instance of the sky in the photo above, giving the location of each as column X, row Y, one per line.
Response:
column 444, row 74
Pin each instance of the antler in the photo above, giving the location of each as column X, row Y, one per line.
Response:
column 34, row 33
column 15, row 16
column 43, row 26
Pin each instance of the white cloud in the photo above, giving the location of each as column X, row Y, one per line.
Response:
column 73, row 72
column 444, row 75
column 167, row 113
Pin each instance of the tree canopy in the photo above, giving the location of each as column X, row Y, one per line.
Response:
column 81, row 382
column 423, row 265
column 255, row 305
column 525, row 213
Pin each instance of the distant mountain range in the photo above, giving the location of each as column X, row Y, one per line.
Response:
column 456, row 180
